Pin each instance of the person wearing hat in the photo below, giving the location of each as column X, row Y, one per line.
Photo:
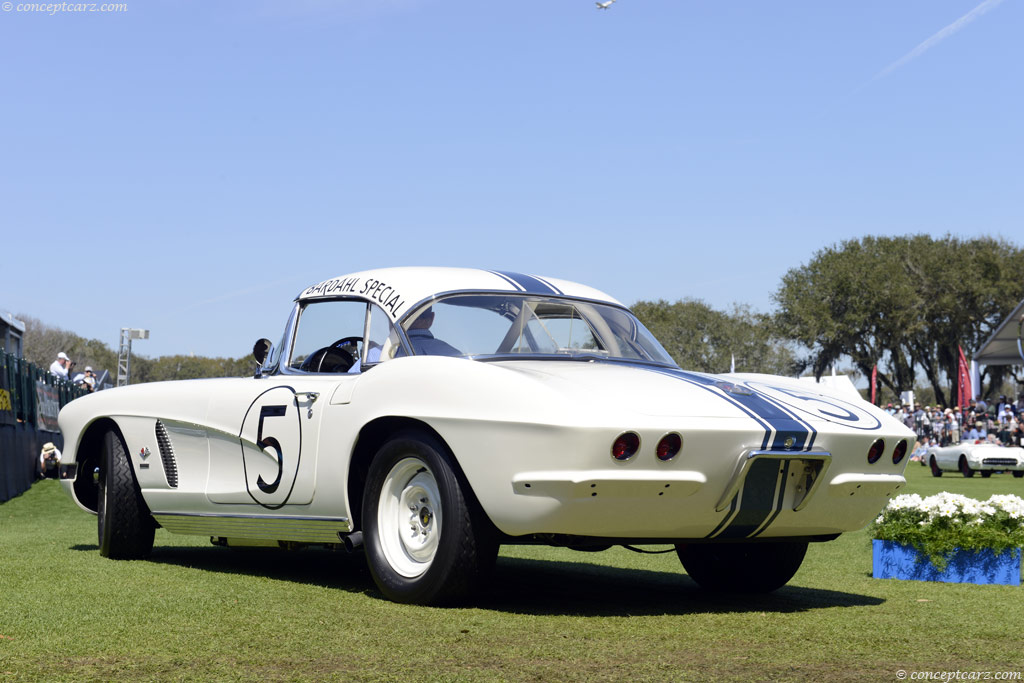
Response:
column 49, row 460
column 86, row 380
column 90, row 378
column 62, row 366
column 1003, row 406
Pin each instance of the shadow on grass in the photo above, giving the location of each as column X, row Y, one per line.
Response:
column 522, row 586
column 546, row 587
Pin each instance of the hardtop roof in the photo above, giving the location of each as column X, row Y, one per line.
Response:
column 398, row 290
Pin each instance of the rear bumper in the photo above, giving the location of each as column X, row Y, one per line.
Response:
column 771, row 494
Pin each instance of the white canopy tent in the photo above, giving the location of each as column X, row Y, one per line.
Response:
column 1004, row 346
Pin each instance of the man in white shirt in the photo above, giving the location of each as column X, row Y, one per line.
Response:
column 61, row 366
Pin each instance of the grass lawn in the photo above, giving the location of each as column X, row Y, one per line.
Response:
column 195, row 611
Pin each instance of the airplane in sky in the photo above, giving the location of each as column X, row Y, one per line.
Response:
column 604, row 5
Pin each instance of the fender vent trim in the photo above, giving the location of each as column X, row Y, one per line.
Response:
column 167, row 455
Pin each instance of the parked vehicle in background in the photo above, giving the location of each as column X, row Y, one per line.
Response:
column 969, row 458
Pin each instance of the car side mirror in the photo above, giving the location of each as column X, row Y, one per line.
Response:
column 260, row 351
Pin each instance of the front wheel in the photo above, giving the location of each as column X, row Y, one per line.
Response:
column 965, row 469
column 124, row 525
column 936, row 472
column 985, row 474
column 1018, row 474
column 427, row 542
column 742, row 567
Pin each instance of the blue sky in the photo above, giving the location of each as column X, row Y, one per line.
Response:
column 190, row 166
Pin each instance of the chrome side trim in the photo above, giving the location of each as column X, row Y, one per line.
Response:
column 304, row 529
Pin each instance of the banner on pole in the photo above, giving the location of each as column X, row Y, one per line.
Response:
column 965, row 391
column 874, row 384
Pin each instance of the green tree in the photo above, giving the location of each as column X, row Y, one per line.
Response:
column 166, row 368
column 854, row 300
column 901, row 303
column 967, row 287
column 42, row 343
column 701, row 338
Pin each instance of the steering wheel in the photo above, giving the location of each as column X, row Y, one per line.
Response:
column 334, row 357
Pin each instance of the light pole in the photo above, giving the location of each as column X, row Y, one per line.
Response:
column 124, row 353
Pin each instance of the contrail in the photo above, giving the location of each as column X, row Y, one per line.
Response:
column 235, row 294
column 939, row 37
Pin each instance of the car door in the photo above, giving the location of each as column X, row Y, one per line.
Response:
column 265, row 438
column 264, row 442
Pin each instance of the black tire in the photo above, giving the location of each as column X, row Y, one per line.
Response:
column 985, row 474
column 965, row 469
column 742, row 567
column 124, row 524
column 936, row 472
column 1018, row 474
column 448, row 545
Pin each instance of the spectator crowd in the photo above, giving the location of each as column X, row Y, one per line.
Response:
column 1000, row 423
column 63, row 367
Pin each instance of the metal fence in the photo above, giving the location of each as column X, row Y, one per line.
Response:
column 19, row 394
column 29, row 400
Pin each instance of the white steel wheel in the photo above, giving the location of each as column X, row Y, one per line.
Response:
column 427, row 540
column 409, row 517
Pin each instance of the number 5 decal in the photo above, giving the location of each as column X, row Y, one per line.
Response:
column 271, row 443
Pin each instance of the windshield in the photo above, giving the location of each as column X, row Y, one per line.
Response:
column 520, row 325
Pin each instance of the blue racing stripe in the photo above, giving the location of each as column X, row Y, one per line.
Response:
column 778, row 504
column 727, row 518
column 779, row 424
column 757, row 506
column 529, row 284
column 758, row 500
column 507, row 279
column 542, row 280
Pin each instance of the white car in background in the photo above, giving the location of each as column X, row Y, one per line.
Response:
column 430, row 415
column 969, row 457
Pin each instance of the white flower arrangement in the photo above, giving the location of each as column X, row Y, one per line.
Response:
column 939, row 525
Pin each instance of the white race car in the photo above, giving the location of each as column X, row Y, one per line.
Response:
column 969, row 457
column 432, row 414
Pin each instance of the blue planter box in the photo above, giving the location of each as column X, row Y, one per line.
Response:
column 895, row 561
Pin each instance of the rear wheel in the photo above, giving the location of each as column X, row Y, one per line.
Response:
column 124, row 525
column 742, row 567
column 427, row 542
column 936, row 472
column 965, row 469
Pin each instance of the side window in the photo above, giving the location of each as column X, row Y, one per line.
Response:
column 329, row 336
column 383, row 341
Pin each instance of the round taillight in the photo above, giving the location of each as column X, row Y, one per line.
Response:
column 669, row 446
column 899, row 452
column 876, row 450
column 626, row 446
